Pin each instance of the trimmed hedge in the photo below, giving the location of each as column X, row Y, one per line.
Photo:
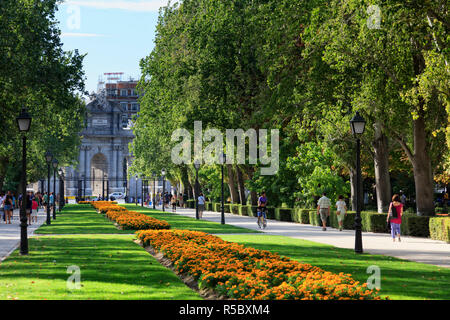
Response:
column 301, row 215
column 243, row 210
column 190, row 203
column 315, row 220
column 415, row 226
column 440, row 228
column 235, row 208
column 284, row 214
column 252, row 210
column 372, row 221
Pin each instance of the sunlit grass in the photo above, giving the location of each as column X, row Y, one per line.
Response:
column 400, row 279
column 111, row 267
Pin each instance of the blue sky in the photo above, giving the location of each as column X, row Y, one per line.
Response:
column 115, row 34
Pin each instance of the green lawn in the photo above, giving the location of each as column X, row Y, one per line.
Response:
column 80, row 219
column 187, row 223
column 400, row 279
column 83, row 219
column 111, row 267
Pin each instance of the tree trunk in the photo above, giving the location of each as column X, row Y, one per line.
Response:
column 232, row 184
column 187, row 187
column 381, row 164
column 240, row 181
column 423, row 176
column 253, row 194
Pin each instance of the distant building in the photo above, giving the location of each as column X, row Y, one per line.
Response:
column 104, row 156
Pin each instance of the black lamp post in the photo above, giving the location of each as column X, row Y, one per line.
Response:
column 61, row 189
column 103, row 187
column 142, row 192
column 83, row 195
column 136, row 191
column 197, row 166
column 48, row 159
column 358, row 125
column 163, row 173
column 154, row 190
column 222, row 218
column 55, row 166
column 24, row 124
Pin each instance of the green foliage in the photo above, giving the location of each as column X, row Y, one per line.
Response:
column 313, row 168
column 440, row 229
column 37, row 74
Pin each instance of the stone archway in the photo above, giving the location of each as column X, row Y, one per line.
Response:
column 99, row 169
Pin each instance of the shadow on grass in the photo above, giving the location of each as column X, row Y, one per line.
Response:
column 400, row 279
column 111, row 267
column 186, row 223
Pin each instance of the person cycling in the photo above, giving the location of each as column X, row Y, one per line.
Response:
column 262, row 203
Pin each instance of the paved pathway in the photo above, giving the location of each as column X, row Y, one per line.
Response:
column 10, row 233
column 410, row 248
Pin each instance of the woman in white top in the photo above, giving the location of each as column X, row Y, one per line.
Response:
column 341, row 211
column 201, row 205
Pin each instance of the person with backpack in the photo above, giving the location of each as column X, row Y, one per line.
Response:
column 395, row 216
column 261, row 210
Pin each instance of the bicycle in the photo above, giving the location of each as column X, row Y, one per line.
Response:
column 262, row 223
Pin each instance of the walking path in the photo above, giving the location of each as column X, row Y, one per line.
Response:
column 410, row 248
column 10, row 233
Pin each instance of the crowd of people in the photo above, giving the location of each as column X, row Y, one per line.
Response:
column 35, row 202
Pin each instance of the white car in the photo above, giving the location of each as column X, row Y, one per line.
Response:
column 117, row 195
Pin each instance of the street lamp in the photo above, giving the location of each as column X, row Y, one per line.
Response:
column 55, row 166
column 24, row 124
column 142, row 192
column 154, row 190
column 222, row 218
column 358, row 125
column 62, row 201
column 136, row 190
column 48, row 159
column 197, row 166
column 163, row 173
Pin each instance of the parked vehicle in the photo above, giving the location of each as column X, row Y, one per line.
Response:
column 117, row 195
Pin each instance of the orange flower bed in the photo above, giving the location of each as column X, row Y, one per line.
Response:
column 239, row 272
column 136, row 221
column 130, row 220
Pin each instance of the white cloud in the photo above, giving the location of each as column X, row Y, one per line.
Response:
column 80, row 35
column 142, row 6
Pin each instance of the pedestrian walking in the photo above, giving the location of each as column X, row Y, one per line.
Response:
column 341, row 211
column 180, row 200
column 35, row 209
column 201, row 205
column 8, row 207
column 261, row 210
column 174, row 203
column 52, row 201
column 323, row 210
column 15, row 205
column 45, row 201
column 2, row 199
column 29, row 206
column 395, row 216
